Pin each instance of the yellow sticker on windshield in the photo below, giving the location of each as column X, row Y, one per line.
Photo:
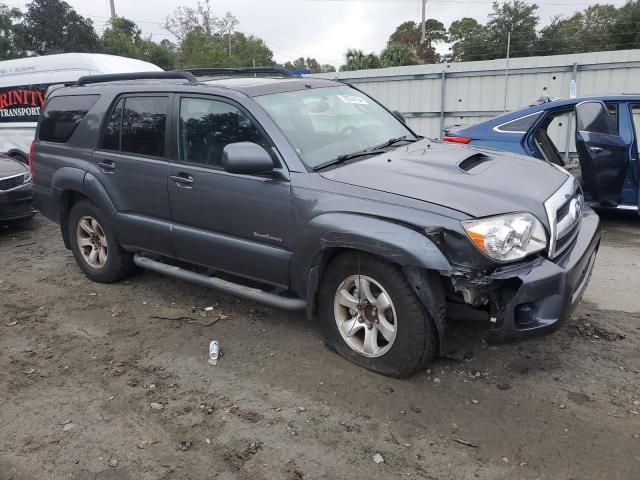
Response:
column 353, row 99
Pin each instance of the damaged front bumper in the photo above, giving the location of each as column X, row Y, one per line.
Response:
column 535, row 299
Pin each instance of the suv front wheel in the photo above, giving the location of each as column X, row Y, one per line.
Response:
column 94, row 245
column 371, row 316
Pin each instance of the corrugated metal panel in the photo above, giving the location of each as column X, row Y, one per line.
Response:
column 475, row 91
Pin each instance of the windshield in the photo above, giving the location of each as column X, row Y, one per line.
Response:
column 325, row 123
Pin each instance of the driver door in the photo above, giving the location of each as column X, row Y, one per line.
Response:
column 602, row 153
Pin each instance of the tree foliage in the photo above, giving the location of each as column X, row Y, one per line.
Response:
column 8, row 25
column 205, row 39
column 409, row 34
column 52, row 26
column 310, row 64
column 358, row 60
column 397, row 54
column 123, row 37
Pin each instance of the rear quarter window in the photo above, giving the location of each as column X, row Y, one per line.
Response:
column 62, row 115
column 519, row 125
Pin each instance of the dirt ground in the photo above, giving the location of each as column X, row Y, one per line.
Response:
column 111, row 382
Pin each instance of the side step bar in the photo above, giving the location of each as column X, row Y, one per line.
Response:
column 236, row 289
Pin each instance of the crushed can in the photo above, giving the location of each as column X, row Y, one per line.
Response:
column 214, row 352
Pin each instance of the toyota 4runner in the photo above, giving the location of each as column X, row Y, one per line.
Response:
column 304, row 193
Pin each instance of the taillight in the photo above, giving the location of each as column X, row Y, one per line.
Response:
column 453, row 139
column 32, row 150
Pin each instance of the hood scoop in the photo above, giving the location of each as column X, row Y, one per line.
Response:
column 473, row 162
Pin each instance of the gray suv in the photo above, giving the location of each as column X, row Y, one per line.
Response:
column 307, row 194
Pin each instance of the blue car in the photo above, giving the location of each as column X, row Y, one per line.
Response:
column 595, row 138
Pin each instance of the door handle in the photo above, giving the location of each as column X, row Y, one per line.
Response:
column 596, row 149
column 182, row 180
column 107, row 166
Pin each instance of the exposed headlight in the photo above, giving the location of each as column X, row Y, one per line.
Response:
column 27, row 178
column 507, row 237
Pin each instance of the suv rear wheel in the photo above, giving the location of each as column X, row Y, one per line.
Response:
column 94, row 245
column 371, row 316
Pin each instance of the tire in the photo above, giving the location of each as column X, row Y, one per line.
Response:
column 399, row 354
column 112, row 262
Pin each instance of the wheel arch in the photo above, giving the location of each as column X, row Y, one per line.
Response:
column 419, row 258
column 73, row 185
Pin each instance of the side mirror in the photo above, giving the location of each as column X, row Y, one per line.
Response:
column 246, row 158
column 399, row 116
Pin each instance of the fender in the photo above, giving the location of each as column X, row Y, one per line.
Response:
column 391, row 241
column 70, row 179
column 96, row 192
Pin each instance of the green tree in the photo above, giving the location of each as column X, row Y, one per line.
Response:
column 309, row 63
column 561, row 36
column 8, row 21
column 326, row 68
column 596, row 28
column 516, row 17
column 624, row 28
column 124, row 37
column 395, row 55
column 358, row 60
column 52, row 26
column 410, row 35
column 469, row 40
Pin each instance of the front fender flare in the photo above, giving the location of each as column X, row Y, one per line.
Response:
column 393, row 242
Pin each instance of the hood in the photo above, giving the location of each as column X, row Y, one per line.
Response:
column 10, row 167
column 474, row 181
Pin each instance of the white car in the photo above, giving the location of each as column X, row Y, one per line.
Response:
column 23, row 84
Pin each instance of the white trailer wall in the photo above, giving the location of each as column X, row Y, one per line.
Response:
column 435, row 96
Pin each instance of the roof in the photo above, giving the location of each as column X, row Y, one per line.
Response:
column 251, row 86
column 256, row 86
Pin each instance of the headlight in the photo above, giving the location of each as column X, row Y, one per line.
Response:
column 507, row 237
column 27, row 178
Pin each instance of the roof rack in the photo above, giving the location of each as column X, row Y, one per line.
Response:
column 249, row 71
column 114, row 77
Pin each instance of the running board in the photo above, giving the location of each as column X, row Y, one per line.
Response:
column 271, row 299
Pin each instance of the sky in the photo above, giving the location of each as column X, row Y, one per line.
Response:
column 323, row 29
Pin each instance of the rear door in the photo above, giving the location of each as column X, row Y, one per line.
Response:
column 602, row 153
column 240, row 224
column 132, row 166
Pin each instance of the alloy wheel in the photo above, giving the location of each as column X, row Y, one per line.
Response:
column 92, row 242
column 365, row 316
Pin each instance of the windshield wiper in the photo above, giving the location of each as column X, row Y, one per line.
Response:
column 348, row 156
column 393, row 141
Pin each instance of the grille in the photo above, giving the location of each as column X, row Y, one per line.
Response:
column 564, row 210
column 11, row 182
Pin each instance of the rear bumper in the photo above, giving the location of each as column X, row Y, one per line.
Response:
column 544, row 293
column 17, row 203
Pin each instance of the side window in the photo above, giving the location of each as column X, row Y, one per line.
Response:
column 595, row 117
column 111, row 135
column 557, row 130
column 519, row 125
column 143, row 125
column 62, row 115
column 207, row 126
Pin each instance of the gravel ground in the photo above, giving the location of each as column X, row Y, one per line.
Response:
column 112, row 382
